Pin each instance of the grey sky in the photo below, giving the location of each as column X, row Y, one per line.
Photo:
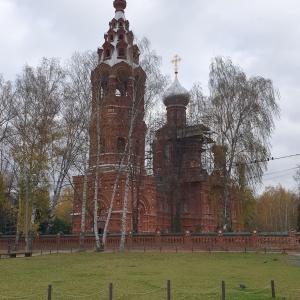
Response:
column 262, row 36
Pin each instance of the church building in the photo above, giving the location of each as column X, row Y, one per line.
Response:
column 180, row 194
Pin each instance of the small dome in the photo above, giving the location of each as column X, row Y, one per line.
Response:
column 120, row 5
column 176, row 94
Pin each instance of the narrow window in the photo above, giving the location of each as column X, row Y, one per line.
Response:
column 185, row 207
column 118, row 93
column 122, row 52
column 121, row 145
column 111, row 37
column 107, row 53
column 137, row 147
column 167, row 153
column 120, row 37
column 102, row 145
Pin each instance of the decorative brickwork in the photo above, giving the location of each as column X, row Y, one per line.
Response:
column 187, row 241
column 182, row 194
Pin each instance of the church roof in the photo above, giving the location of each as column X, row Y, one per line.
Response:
column 118, row 46
column 176, row 94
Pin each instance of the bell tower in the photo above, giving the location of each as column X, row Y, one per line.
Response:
column 118, row 95
column 117, row 138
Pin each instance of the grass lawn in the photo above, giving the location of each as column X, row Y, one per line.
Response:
column 144, row 276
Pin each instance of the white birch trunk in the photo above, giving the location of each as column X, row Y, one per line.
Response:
column 96, row 207
column 124, row 215
column 83, row 207
column 121, row 166
column 54, row 200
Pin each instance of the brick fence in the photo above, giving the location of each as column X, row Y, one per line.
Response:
column 206, row 241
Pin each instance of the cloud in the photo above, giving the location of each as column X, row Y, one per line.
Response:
column 263, row 37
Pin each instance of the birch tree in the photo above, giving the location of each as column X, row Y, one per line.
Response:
column 7, row 108
column 38, row 98
column 79, row 70
column 69, row 152
column 242, row 112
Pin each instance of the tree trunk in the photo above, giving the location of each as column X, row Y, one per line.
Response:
column 124, row 215
column 83, row 209
column 95, row 225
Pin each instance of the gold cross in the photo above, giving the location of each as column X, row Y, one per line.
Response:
column 175, row 61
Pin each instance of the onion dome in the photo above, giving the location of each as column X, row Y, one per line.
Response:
column 176, row 94
column 120, row 5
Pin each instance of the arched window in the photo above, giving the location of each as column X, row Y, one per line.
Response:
column 137, row 148
column 120, row 24
column 103, row 85
column 107, row 53
column 102, row 145
column 167, row 152
column 118, row 93
column 121, row 145
column 121, row 52
column 111, row 37
column 185, row 207
column 121, row 85
column 120, row 37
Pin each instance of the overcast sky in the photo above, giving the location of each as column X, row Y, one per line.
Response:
column 262, row 36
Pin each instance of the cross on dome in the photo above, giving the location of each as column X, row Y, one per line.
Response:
column 175, row 61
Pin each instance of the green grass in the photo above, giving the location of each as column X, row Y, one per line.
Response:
column 137, row 276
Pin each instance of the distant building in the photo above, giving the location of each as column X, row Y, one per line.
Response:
column 181, row 194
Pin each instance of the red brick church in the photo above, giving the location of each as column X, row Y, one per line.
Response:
column 181, row 193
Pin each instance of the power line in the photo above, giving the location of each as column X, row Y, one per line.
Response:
column 281, row 171
column 274, row 158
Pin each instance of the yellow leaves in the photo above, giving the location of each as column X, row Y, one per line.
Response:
column 64, row 207
column 276, row 210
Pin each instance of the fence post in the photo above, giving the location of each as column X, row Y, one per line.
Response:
column 273, row 288
column 169, row 290
column 223, row 290
column 49, row 292
column 110, row 291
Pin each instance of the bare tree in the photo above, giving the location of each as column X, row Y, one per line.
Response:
column 77, row 116
column 37, row 101
column 7, row 109
column 242, row 112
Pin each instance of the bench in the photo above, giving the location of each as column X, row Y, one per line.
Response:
column 15, row 254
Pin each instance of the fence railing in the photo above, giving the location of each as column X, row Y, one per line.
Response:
column 167, row 289
column 219, row 240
